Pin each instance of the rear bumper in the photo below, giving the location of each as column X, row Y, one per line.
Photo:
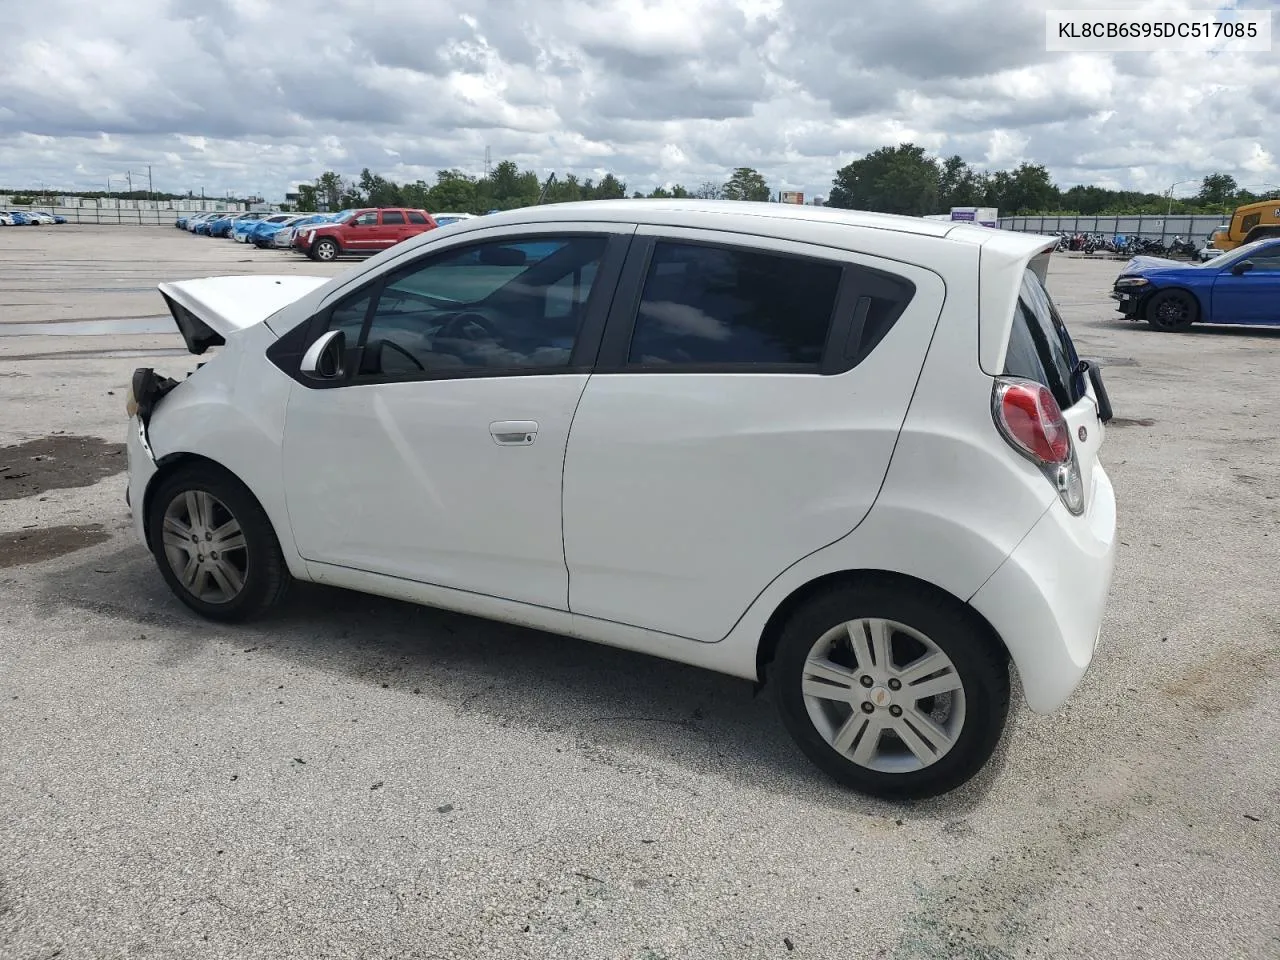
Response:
column 1047, row 600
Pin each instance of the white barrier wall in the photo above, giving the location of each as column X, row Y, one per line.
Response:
column 1195, row 228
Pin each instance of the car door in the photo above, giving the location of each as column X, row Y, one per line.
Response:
column 392, row 228
column 731, row 427
column 361, row 234
column 1251, row 295
column 437, row 456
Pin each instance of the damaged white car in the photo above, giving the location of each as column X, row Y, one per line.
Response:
column 850, row 455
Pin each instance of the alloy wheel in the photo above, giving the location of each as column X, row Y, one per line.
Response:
column 883, row 695
column 205, row 546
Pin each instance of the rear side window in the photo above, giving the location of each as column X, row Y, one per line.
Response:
column 1249, row 222
column 415, row 217
column 392, row 216
column 1040, row 348
column 704, row 305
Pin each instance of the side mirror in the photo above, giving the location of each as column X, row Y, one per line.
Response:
column 324, row 359
column 1244, row 266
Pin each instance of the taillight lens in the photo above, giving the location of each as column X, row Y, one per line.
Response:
column 1031, row 420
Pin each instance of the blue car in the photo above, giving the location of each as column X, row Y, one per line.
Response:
column 248, row 231
column 217, row 227
column 19, row 219
column 1240, row 287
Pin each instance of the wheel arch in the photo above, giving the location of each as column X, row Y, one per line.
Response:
column 1202, row 308
column 772, row 631
column 167, row 465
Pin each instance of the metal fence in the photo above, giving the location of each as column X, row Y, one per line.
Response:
column 107, row 215
column 1193, row 227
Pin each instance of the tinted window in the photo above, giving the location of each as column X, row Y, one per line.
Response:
column 415, row 217
column 348, row 316
column 491, row 306
column 716, row 305
column 1249, row 222
column 1268, row 258
column 1040, row 348
column 392, row 216
column 367, row 219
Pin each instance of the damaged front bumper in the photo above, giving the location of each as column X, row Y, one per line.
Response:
column 145, row 390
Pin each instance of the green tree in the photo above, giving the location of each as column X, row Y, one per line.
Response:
column 709, row 190
column 1217, row 190
column 959, row 185
column 610, row 188
column 329, row 190
column 901, row 179
column 454, row 192
column 746, row 184
column 306, row 198
column 379, row 191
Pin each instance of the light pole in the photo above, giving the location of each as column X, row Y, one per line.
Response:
column 1169, row 193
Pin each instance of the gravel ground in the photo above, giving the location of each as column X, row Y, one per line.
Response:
column 364, row 778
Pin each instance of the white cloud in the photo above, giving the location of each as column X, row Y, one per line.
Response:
column 247, row 95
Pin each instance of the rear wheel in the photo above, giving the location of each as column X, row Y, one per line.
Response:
column 891, row 689
column 1172, row 310
column 215, row 545
column 326, row 248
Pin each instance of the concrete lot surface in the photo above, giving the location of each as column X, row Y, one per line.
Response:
column 362, row 778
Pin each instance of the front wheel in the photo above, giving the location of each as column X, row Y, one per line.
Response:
column 1172, row 310
column 215, row 545
column 891, row 689
column 325, row 249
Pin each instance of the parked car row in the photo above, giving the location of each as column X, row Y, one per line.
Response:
column 321, row 236
column 23, row 218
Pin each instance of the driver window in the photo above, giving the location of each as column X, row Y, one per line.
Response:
column 1268, row 259
column 501, row 305
column 367, row 219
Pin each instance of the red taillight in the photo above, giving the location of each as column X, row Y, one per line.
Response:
column 1031, row 420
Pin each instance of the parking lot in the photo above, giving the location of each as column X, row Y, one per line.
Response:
column 357, row 777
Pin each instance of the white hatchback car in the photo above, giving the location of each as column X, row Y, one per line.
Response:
column 852, row 455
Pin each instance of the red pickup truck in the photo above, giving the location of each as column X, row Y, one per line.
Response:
column 363, row 233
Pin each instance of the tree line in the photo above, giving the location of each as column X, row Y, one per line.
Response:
column 903, row 179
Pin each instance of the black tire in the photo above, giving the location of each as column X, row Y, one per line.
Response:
column 1172, row 310
column 979, row 664
column 325, row 249
column 265, row 577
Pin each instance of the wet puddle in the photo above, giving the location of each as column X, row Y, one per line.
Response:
column 57, row 462
column 90, row 328
column 44, row 543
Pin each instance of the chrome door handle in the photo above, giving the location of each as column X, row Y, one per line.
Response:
column 514, row 433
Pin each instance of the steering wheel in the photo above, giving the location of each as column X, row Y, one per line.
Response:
column 469, row 326
column 404, row 353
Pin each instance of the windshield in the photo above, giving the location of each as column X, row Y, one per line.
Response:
column 1239, row 253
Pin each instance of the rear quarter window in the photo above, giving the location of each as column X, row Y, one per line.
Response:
column 1040, row 348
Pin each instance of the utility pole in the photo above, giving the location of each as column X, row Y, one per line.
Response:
column 488, row 160
column 150, row 188
column 129, row 179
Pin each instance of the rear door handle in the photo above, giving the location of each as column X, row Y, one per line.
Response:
column 514, row 433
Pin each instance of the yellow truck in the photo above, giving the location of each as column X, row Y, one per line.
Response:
column 1251, row 222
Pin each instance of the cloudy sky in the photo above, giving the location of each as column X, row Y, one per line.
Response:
column 255, row 95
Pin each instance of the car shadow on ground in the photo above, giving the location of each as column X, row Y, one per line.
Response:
column 605, row 701
column 1198, row 330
